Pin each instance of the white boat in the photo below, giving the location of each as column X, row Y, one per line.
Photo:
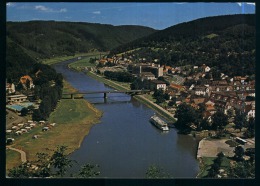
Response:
column 159, row 123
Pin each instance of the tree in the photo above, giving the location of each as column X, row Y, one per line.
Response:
column 250, row 132
column 214, row 170
column 239, row 153
column 54, row 165
column 240, row 119
column 21, row 171
column 156, row 172
column 219, row 120
column 230, row 113
column 244, row 169
column 60, row 161
column 88, row 171
column 186, row 115
column 159, row 96
column 24, row 111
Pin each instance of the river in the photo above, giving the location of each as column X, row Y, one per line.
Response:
column 124, row 144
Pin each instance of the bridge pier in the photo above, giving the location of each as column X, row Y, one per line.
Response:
column 105, row 95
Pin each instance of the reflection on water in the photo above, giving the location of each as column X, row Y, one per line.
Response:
column 125, row 143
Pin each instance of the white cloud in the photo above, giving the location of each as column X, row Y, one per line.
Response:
column 47, row 9
column 9, row 4
column 42, row 8
column 251, row 4
column 96, row 12
column 63, row 10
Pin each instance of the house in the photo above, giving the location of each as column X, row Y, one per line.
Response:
column 16, row 98
column 197, row 101
column 10, row 88
column 210, row 107
column 250, row 110
column 167, row 69
column 25, row 79
column 156, row 84
column 102, row 61
column 201, row 90
column 176, row 87
column 205, row 68
column 147, row 76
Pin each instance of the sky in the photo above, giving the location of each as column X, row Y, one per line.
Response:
column 155, row 15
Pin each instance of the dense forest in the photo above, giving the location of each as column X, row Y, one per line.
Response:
column 226, row 43
column 45, row 39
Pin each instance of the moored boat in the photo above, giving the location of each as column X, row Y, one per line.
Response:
column 159, row 123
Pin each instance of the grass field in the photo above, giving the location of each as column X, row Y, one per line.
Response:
column 64, row 58
column 85, row 61
column 73, row 118
column 13, row 158
column 206, row 163
column 108, row 82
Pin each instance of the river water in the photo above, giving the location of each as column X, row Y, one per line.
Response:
column 125, row 144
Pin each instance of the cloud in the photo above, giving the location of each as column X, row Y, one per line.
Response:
column 63, row 10
column 47, row 9
column 10, row 4
column 251, row 4
column 96, row 12
column 42, row 8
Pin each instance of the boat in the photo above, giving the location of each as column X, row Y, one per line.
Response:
column 159, row 123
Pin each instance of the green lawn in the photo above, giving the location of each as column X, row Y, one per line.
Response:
column 13, row 158
column 85, row 62
column 108, row 82
column 208, row 161
column 63, row 58
column 150, row 97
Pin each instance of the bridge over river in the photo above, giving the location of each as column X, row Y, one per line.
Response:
column 105, row 92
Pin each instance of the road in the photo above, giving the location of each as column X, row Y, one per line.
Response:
column 23, row 154
column 12, row 118
column 157, row 106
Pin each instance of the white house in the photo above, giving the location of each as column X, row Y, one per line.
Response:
column 199, row 90
column 156, row 84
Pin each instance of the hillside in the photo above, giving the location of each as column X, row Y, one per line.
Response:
column 44, row 39
column 224, row 42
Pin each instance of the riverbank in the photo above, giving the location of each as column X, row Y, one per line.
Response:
column 140, row 98
column 73, row 118
column 64, row 58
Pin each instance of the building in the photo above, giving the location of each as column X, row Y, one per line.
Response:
column 25, row 79
column 10, row 88
column 147, row 76
column 156, row 84
column 16, row 98
column 201, row 90
column 137, row 69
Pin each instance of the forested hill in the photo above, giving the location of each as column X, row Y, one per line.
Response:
column 224, row 42
column 43, row 39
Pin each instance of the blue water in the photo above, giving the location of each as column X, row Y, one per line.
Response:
column 124, row 144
